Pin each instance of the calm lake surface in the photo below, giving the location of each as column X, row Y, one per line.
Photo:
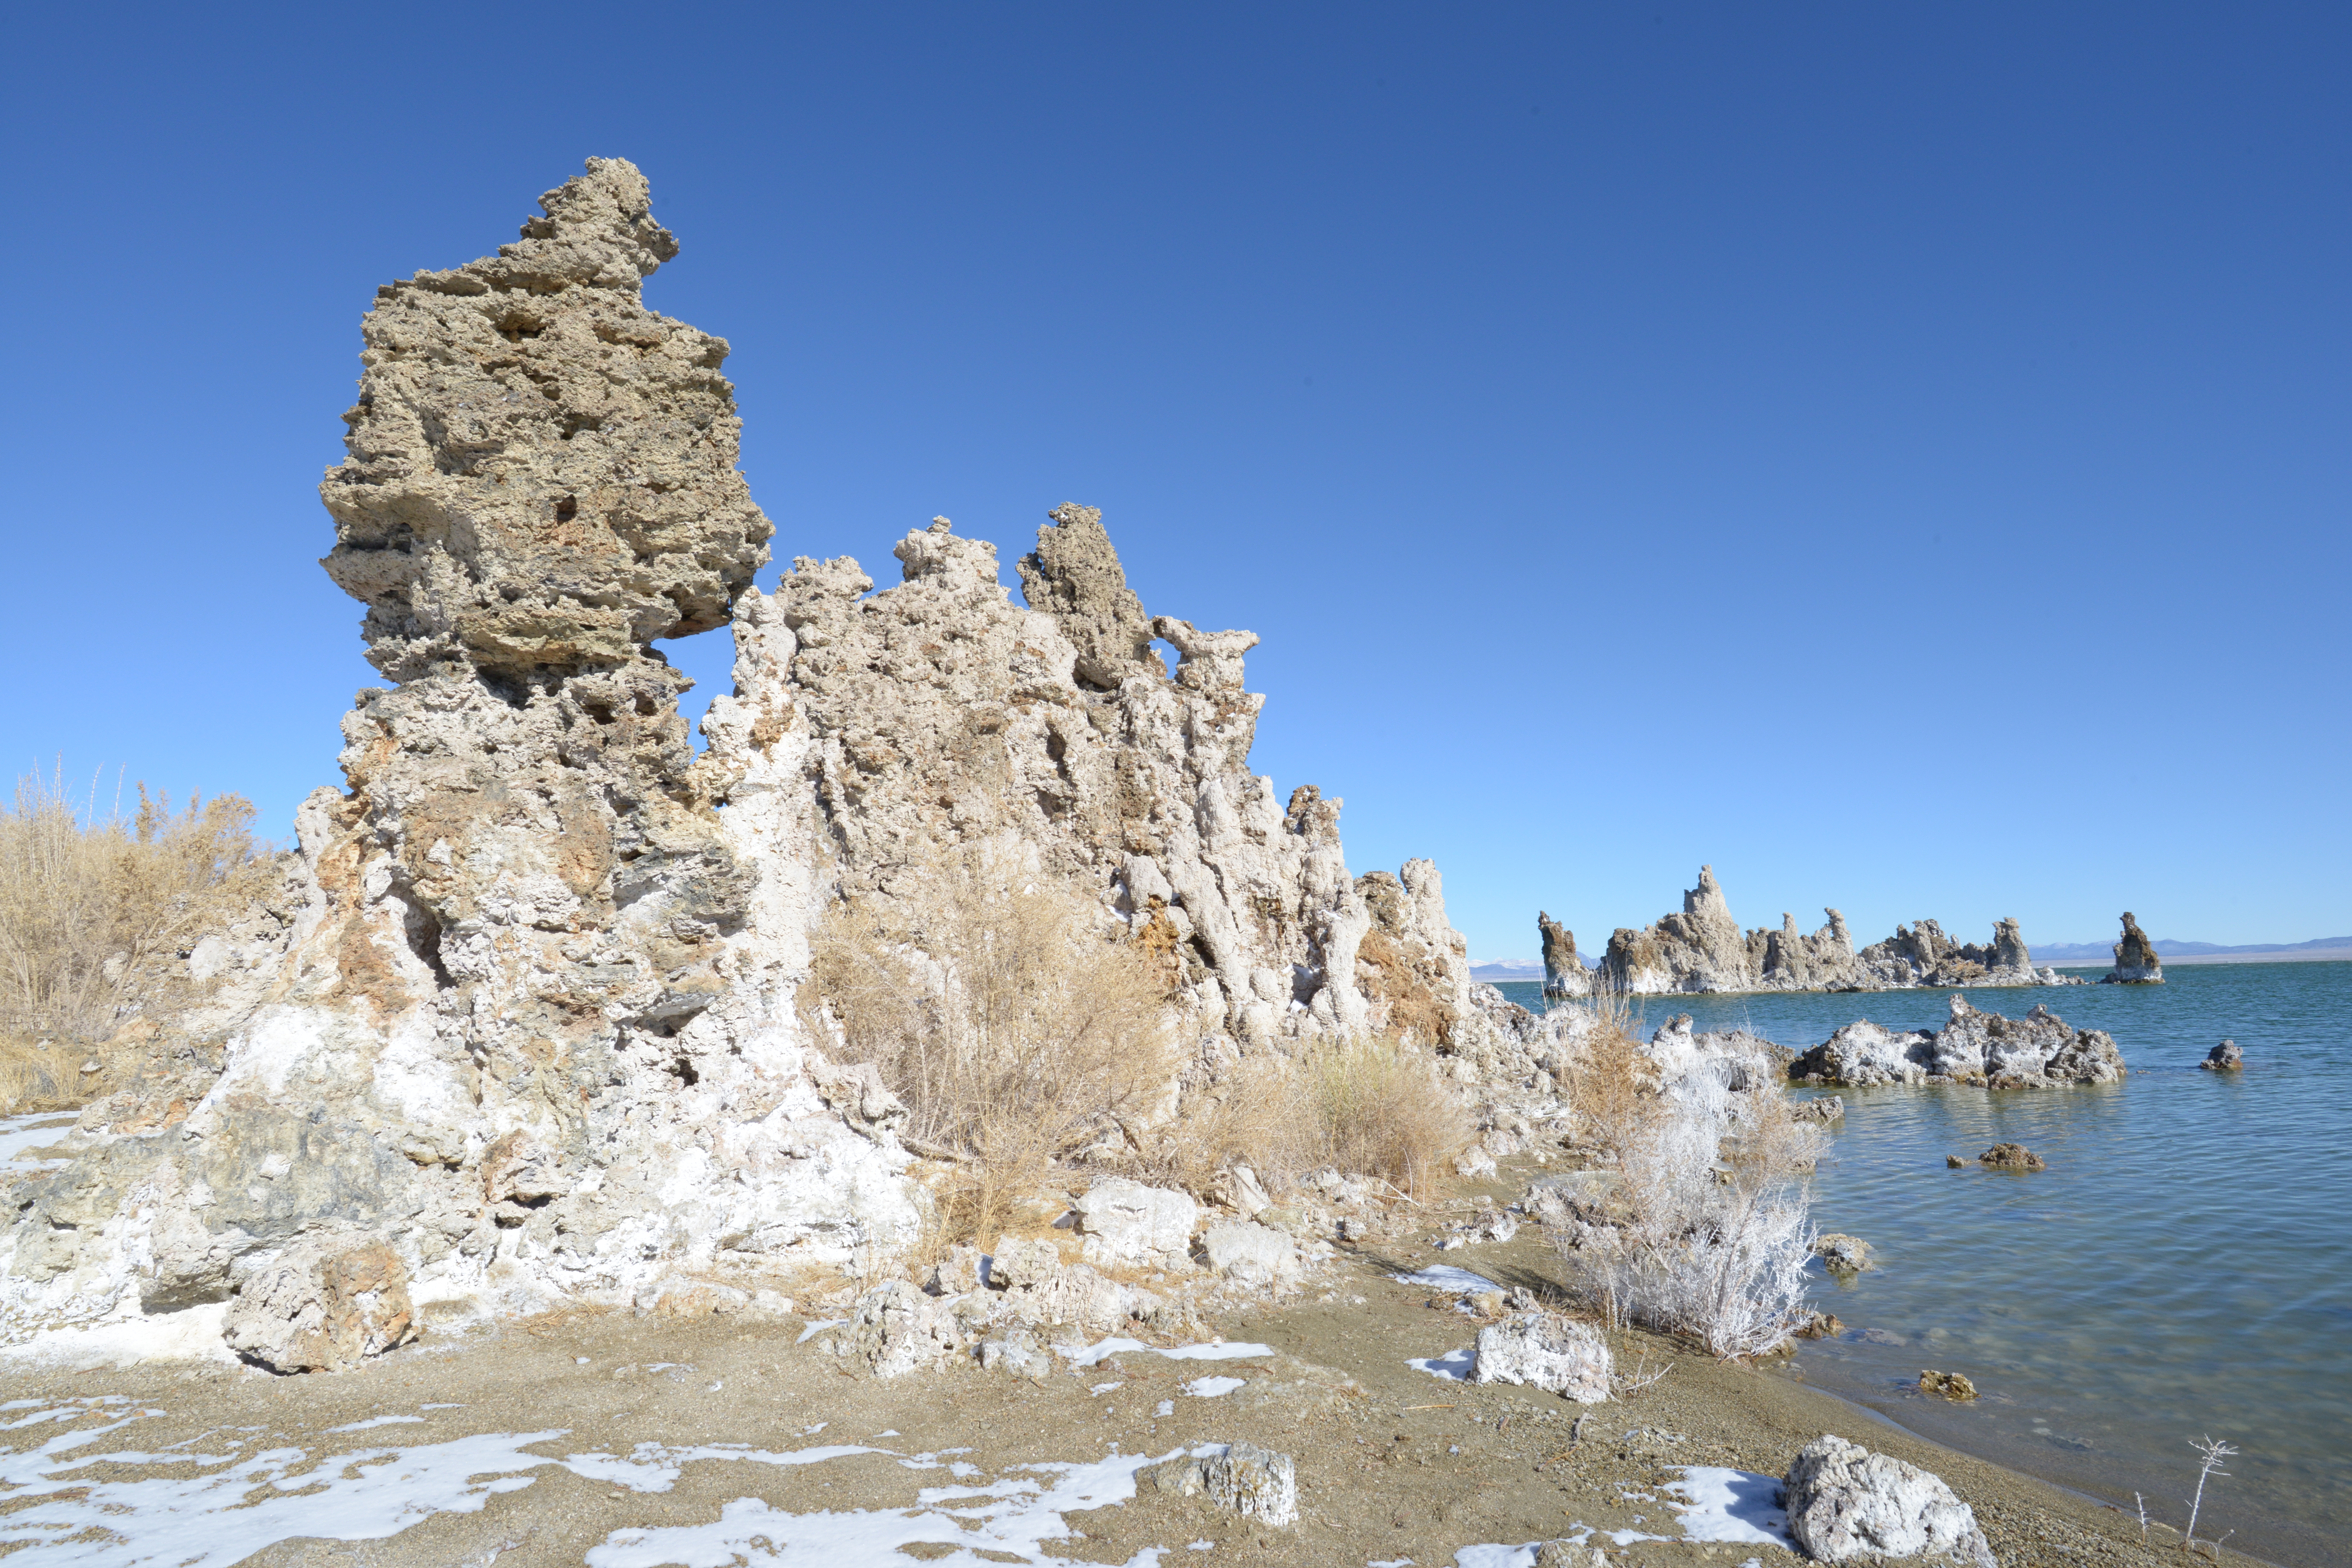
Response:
column 2183, row 1267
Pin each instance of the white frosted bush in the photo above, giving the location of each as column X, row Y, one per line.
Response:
column 1713, row 1232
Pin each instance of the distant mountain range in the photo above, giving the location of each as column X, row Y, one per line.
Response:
column 2105, row 952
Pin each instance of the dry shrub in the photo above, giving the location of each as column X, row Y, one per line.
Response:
column 1610, row 1084
column 1017, row 1030
column 1709, row 1232
column 89, row 903
column 1366, row 1106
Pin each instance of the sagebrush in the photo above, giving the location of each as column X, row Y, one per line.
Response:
column 1017, row 1029
column 1708, row 1231
column 90, row 902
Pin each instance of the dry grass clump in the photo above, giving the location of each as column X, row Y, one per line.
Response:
column 1707, row 1231
column 1017, row 1031
column 1367, row 1105
column 88, row 902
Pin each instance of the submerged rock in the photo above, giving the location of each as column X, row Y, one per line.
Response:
column 1950, row 1385
column 2224, row 1057
column 1847, row 1504
column 1846, row 1254
column 1704, row 949
column 2136, row 962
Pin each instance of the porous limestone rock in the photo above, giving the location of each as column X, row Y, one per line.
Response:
column 1704, row 949
column 526, row 1005
column 1843, row 1253
column 2136, row 962
column 895, row 1329
column 1949, row 1385
column 2037, row 1051
column 1124, row 1221
column 2011, row 1157
column 1862, row 1052
column 323, row 1303
column 1564, row 972
column 1546, row 1351
column 1847, row 1504
column 2034, row 1052
column 527, row 918
column 1256, row 1483
column 2223, row 1057
column 1252, row 1253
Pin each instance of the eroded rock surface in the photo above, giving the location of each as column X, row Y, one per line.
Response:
column 1546, row 1351
column 1846, row 1504
column 526, row 1009
column 1564, row 972
column 1704, row 949
column 324, row 1303
column 2037, row 1051
column 2136, row 962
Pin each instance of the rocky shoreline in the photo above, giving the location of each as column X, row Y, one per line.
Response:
column 682, row 1424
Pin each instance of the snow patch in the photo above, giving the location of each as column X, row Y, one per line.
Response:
column 193, row 1334
column 1093, row 1354
column 1455, row 1365
column 1719, row 1504
column 1014, row 1516
column 1456, row 1281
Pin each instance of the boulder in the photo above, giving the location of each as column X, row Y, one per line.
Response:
column 1252, row 1253
column 2223, row 1057
column 1124, row 1221
column 323, row 1304
column 1256, row 1483
column 1950, row 1385
column 895, row 1329
column 1570, row 1555
column 2011, row 1157
column 1546, row 1351
column 2136, row 962
column 1847, row 1504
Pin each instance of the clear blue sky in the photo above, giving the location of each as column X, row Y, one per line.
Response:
column 1897, row 454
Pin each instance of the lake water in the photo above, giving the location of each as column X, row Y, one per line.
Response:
column 2182, row 1268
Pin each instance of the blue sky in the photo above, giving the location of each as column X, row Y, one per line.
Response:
column 1896, row 453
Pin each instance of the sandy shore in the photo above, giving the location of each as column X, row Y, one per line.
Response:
column 626, row 1440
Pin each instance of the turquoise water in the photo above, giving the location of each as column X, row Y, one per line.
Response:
column 2183, row 1267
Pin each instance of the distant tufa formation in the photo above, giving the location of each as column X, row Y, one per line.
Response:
column 1704, row 949
column 1564, row 972
column 520, row 1025
column 2136, row 962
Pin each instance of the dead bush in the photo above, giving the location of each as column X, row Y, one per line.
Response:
column 1017, row 1029
column 1707, row 1232
column 90, row 903
column 1365, row 1106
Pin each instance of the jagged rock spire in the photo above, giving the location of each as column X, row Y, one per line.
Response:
column 542, row 471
